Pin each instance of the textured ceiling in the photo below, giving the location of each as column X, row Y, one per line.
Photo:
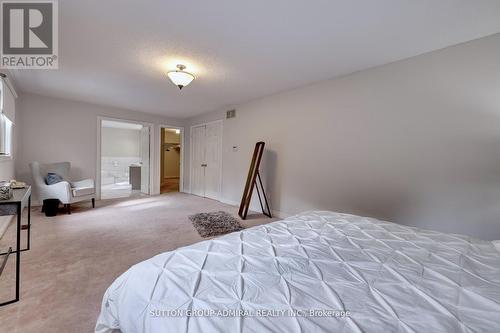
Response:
column 116, row 52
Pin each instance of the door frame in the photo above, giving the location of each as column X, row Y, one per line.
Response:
column 98, row 160
column 221, row 121
column 181, row 174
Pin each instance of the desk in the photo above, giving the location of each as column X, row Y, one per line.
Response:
column 14, row 206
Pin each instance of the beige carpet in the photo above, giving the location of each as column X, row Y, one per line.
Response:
column 74, row 258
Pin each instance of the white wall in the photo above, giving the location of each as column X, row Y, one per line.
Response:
column 7, row 166
column 53, row 130
column 120, row 142
column 416, row 142
column 6, row 170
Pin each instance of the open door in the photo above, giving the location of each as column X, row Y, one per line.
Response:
column 145, row 156
column 171, row 155
column 124, row 158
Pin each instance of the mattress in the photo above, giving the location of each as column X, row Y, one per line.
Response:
column 317, row 271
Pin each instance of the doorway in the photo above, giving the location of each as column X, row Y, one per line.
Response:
column 206, row 160
column 171, row 159
column 124, row 159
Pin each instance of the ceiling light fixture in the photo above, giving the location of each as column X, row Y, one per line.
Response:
column 180, row 77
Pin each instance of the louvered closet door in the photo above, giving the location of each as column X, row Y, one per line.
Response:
column 198, row 160
column 213, row 157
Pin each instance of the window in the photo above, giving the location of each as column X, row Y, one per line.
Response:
column 6, row 124
column 5, row 137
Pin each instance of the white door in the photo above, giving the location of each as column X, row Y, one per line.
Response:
column 145, row 156
column 198, row 161
column 213, row 157
column 206, row 145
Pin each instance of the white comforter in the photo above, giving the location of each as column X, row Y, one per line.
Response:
column 299, row 274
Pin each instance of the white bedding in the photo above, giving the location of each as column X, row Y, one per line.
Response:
column 391, row 278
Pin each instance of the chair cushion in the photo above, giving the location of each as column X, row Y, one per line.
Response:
column 83, row 183
column 81, row 191
column 53, row 178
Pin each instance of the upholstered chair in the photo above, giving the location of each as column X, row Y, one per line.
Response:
column 66, row 191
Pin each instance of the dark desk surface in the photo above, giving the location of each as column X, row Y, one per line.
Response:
column 19, row 196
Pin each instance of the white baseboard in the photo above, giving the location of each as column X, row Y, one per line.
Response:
column 253, row 206
column 256, row 208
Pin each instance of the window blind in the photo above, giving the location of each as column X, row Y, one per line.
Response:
column 8, row 101
column 7, row 116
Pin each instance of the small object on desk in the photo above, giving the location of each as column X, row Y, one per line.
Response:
column 14, row 184
column 5, row 191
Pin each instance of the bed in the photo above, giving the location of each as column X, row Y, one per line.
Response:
column 317, row 271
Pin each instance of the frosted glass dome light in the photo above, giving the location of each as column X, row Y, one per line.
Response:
column 180, row 77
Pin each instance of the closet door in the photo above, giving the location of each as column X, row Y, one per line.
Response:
column 213, row 160
column 198, row 160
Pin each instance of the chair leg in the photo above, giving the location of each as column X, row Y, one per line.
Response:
column 68, row 208
column 93, row 202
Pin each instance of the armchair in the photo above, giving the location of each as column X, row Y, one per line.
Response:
column 66, row 191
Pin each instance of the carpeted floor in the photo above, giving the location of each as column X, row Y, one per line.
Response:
column 74, row 258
